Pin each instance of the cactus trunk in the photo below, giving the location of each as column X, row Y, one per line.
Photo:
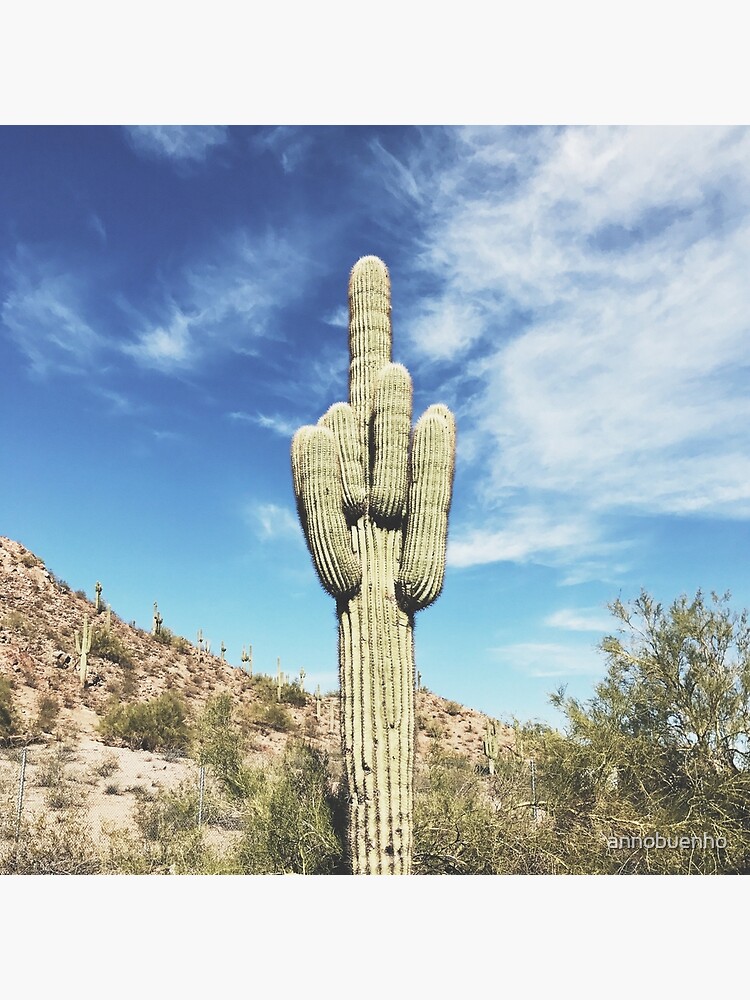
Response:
column 376, row 670
column 373, row 500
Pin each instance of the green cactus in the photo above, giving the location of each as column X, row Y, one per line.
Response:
column 109, row 617
column 157, row 622
column 83, row 648
column 489, row 745
column 302, row 676
column 279, row 678
column 317, row 702
column 98, row 600
column 223, row 650
column 247, row 660
column 373, row 499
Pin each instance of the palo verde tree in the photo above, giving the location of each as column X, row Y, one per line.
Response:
column 373, row 500
column 662, row 747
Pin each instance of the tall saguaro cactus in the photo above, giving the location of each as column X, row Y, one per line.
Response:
column 83, row 648
column 373, row 498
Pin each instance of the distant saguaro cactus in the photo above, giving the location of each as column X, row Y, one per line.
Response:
column 373, row 499
column 83, row 648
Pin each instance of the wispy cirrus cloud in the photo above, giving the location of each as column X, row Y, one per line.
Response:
column 549, row 659
column 224, row 301
column 191, row 143
column 579, row 620
column 595, row 282
column 279, row 425
column 289, row 144
column 44, row 313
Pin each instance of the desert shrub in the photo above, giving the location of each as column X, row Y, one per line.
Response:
column 290, row 818
column 434, row 729
column 165, row 636
column 453, row 708
column 9, row 719
column 107, row 766
column 272, row 715
column 292, row 694
column 58, row 844
column 28, row 560
column 15, row 621
column 461, row 828
column 218, row 744
column 159, row 724
column 48, row 709
column 107, row 645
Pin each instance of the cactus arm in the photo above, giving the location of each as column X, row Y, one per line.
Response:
column 391, row 428
column 432, row 464
column 316, row 474
column 369, row 339
column 342, row 422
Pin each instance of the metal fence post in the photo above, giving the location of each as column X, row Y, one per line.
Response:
column 201, row 787
column 21, row 784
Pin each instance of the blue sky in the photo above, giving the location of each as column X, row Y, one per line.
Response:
column 173, row 307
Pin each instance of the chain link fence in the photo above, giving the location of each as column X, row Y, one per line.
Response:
column 101, row 798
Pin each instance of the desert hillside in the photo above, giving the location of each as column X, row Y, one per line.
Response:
column 59, row 720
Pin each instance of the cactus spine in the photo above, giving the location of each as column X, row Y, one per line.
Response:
column 83, row 648
column 373, row 499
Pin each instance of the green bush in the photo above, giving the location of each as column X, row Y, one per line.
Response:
column 464, row 825
column 290, row 824
column 219, row 744
column 272, row 715
column 48, row 709
column 9, row 720
column 109, row 647
column 159, row 724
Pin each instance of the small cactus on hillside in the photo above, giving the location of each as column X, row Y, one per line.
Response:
column 83, row 648
column 247, row 660
column 489, row 745
column 98, row 599
column 373, row 500
column 157, row 622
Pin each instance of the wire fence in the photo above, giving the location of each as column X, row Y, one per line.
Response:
column 105, row 789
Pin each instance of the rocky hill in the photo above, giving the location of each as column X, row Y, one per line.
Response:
column 39, row 619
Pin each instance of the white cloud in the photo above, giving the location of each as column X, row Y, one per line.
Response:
column 279, row 425
column 269, row 520
column 580, row 620
column 549, row 659
column 165, row 347
column 176, row 142
column 339, row 317
column 603, row 274
column 223, row 302
column 291, row 145
column 44, row 314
